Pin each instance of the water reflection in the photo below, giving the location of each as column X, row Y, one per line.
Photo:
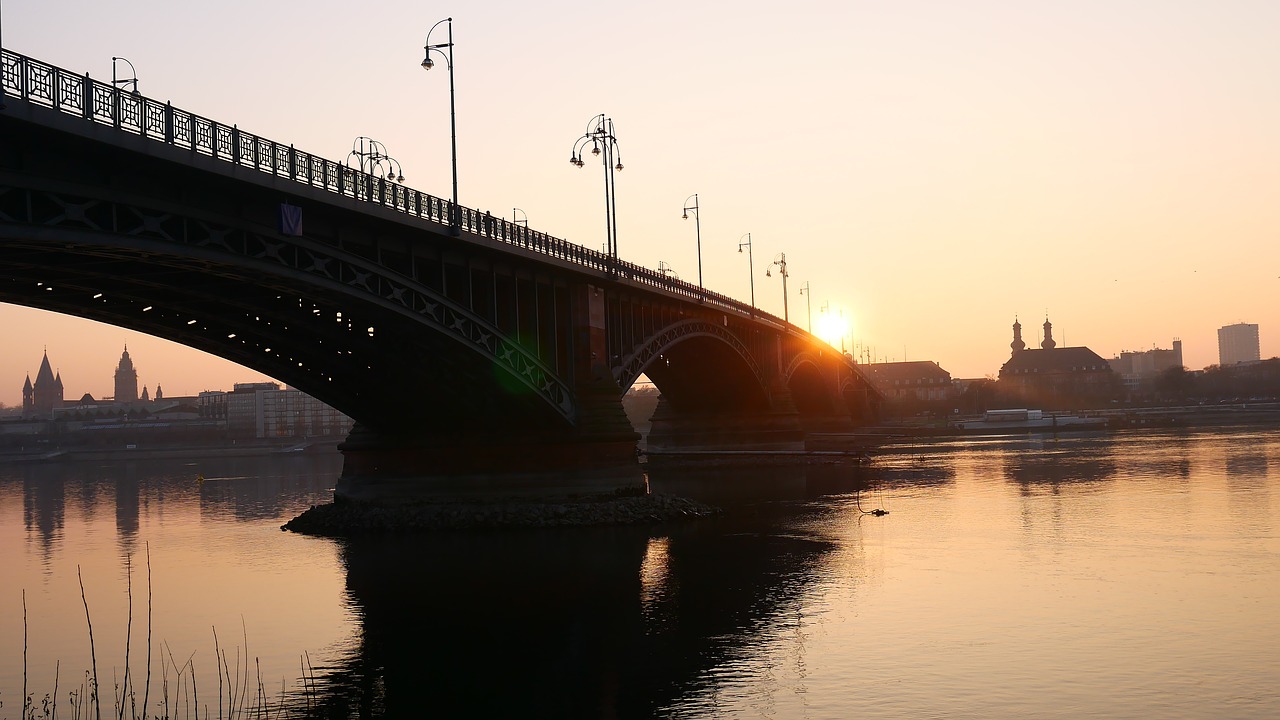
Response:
column 236, row 488
column 43, row 507
column 1051, row 463
column 587, row 622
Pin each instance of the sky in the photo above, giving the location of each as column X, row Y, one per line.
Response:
column 932, row 169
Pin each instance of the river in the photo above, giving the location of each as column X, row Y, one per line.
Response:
column 1118, row 575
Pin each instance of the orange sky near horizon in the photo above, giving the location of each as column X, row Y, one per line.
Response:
column 931, row 169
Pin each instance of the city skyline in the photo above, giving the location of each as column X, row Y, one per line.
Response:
column 932, row 172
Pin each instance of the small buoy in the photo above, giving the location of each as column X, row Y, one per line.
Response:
column 199, row 479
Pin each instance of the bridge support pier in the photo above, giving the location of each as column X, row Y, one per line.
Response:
column 394, row 469
column 599, row 456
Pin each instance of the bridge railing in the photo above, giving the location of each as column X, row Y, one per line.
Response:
column 49, row 86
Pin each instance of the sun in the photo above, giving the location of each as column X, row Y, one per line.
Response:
column 831, row 328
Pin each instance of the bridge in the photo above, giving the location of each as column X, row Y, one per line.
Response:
column 471, row 352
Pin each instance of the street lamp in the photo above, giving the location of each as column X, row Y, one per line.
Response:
column 372, row 158
column 697, row 224
column 667, row 271
column 780, row 260
column 808, row 301
column 517, row 220
column 603, row 143
column 445, row 50
column 124, row 81
column 751, row 270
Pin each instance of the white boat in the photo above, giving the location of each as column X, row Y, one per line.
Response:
column 1025, row 420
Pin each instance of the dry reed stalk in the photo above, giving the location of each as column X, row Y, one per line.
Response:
column 128, row 632
column 146, row 692
column 93, row 656
column 57, row 672
column 219, row 664
column 24, row 653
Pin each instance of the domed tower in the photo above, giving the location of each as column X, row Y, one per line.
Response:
column 126, row 379
column 1017, row 344
column 1048, row 343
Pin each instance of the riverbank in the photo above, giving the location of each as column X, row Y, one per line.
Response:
column 353, row 519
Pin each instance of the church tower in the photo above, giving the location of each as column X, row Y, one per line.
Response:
column 28, row 398
column 46, row 392
column 1017, row 344
column 1048, row 343
column 126, row 379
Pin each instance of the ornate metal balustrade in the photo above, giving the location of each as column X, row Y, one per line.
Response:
column 49, row 86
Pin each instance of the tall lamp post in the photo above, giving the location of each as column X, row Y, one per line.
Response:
column 780, row 260
column 697, row 224
column 604, row 144
column 373, row 159
column 445, row 49
column 808, row 303
column 751, row 268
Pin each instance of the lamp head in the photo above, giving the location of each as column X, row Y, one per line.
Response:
column 739, row 249
column 595, row 149
column 618, row 166
column 427, row 62
column 767, row 272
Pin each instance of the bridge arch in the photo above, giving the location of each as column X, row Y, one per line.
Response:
column 294, row 308
column 698, row 366
column 811, row 385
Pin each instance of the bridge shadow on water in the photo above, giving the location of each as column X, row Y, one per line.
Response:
column 579, row 622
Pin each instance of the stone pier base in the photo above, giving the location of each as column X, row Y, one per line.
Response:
column 384, row 469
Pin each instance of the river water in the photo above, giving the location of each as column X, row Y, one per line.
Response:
column 1119, row 576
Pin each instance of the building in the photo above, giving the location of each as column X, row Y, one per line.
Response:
column 264, row 410
column 918, row 381
column 41, row 398
column 1238, row 344
column 1054, row 377
column 1135, row 367
column 126, row 379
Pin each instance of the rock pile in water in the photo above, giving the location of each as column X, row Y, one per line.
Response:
column 347, row 519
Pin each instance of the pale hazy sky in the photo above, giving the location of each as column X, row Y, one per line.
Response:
column 931, row 168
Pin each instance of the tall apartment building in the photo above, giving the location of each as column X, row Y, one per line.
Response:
column 264, row 410
column 1238, row 344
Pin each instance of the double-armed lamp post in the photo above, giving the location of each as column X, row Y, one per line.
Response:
column 445, row 50
column 604, row 144
column 780, row 261
column 751, row 269
column 119, row 82
column 373, row 159
column 697, row 224
column 808, row 303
